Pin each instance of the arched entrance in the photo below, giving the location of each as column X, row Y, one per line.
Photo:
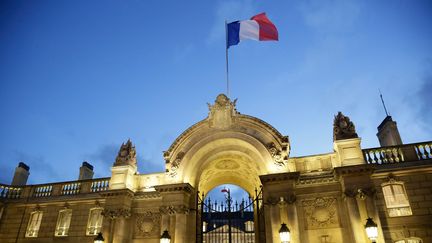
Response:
column 226, row 148
column 228, row 216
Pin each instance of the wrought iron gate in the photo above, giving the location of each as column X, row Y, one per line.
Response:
column 230, row 221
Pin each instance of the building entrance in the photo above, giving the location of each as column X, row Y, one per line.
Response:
column 230, row 220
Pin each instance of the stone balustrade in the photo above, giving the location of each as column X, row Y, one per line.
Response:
column 398, row 154
column 11, row 192
column 54, row 189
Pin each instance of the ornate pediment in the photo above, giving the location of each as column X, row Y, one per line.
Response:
column 222, row 113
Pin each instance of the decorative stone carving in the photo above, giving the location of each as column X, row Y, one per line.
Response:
column 321, row 212
column 222, row 113
column 147, row 224
column 116, row 213
column 280, row 156
column 343, row 128
column 167, row 210
column 360, row 193
column 181, row 209
column 126, row 155
column 172, row 172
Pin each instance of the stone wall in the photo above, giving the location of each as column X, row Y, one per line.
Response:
column 418, row 186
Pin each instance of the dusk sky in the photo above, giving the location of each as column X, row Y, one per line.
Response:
column 78, row 78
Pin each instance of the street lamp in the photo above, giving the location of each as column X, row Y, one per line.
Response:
column 371, row 229
column 165, row 237
column 284, row 233
column 99, row 238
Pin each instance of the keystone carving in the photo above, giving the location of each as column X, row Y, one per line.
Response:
column 343, row 128
column 147, row 224
column 116, row 213
column 280, row 156
column 126, row 154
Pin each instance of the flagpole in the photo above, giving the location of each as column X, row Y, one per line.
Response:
column 226, row 57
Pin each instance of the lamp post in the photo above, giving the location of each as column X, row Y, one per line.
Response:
column 284, row 233
column 165, row 237
column 371, row 229
column 99, row 238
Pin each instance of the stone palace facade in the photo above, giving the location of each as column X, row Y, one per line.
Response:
column 324, row 198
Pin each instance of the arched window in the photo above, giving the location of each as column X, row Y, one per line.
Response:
column 34, row 224
column 63, row 222
column 94, row 223
column 396, row 198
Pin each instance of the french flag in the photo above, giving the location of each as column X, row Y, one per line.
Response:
column 259, row 28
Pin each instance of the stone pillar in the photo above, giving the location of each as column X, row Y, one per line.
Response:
column 279, row 197
column 177, row 200
column 348, row 152
column 181, row 231
column 357, row 187
column 118, row 210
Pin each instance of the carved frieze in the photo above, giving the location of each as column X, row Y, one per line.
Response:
column 147, row 224
column 321, row 212
column 174, row 209
column 116, row 213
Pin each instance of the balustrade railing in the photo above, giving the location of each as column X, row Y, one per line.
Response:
column 54, row 189
column 100, row 185
column 398, row 154
column 11, row 192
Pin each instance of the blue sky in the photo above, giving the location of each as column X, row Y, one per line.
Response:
column 78, row 78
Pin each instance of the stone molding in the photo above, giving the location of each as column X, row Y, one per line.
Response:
column 180, row 187
column 365, row 169
column 280, row 177
column 118, row 193
column 174, row 209
column 116, row 213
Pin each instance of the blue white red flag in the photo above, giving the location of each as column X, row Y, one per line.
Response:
column 259, row 28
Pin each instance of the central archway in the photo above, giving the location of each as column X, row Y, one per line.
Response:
column 227, row 147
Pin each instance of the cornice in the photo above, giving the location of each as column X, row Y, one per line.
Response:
column 180, row 187
column 280, row 177
column 363, row 169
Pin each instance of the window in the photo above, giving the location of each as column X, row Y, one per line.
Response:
column 63, row 222
column 396, row 198
column 410, row 240
column 94, row 223
column 249, row 226
column 34, row 224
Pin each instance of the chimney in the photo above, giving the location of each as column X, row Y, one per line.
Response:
column 21, row 175
column 388, row 133
column 86, row 171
